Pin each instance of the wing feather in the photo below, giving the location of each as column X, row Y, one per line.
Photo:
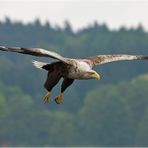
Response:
column 35, row 52
column 102, row 59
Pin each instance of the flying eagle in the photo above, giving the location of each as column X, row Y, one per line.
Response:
column 67, row 68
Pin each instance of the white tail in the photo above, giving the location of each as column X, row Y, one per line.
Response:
column 38, row 64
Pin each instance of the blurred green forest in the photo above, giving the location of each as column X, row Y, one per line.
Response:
column 109, row 112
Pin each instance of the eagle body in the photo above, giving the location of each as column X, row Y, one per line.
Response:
column 67, row 68
column 77, row 70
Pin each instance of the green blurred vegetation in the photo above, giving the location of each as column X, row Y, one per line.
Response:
column 109, row 112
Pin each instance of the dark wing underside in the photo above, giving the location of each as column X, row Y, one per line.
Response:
column 35, row 52
column 102, row 59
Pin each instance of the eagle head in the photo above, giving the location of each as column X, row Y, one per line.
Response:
column 94, row 75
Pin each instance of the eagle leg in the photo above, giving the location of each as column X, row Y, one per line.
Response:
column 46, row 98
column 59, row 98
column 52, row 79
column 66, row 82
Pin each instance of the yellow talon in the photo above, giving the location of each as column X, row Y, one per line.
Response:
column 46, row 98
column 59, row 98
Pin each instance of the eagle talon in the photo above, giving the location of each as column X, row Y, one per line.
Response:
column 59, row 99
column 46, row 98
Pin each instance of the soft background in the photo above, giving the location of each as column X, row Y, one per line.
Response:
column 109, row 112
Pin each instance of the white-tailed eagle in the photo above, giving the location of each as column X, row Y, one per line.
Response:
column 67, row 68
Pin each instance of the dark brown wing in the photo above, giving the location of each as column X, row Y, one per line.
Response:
column 102, row 59
column 35, row 52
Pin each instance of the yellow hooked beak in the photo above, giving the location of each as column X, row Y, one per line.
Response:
column 95, row 75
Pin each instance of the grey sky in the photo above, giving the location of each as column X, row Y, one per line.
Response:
column 79, row 13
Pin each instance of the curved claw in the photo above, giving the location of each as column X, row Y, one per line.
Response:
column 59, row 98
column 46, row 98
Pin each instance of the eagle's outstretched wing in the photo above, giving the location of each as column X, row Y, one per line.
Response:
column 35, row 52
column 102, row 59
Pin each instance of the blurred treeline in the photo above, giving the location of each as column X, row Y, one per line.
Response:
column 109, row 112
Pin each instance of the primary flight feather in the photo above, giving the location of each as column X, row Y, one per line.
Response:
column 67, row 68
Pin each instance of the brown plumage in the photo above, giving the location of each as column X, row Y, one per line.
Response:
column 67, row 68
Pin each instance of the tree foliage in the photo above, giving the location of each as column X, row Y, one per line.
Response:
column 111, row 112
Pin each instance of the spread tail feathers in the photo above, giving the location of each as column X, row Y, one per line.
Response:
column 38, row 64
